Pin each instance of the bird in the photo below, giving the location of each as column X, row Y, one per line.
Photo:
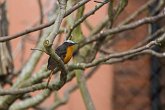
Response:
column 65, row 52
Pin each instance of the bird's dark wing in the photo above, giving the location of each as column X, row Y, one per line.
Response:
column 61, row 52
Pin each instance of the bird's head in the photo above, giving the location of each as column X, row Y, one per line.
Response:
column 69, row 43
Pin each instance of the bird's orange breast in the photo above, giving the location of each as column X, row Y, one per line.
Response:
column 69, row 54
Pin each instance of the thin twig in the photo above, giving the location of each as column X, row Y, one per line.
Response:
column 39, row 50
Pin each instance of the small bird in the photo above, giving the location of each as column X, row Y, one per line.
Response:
column 65, row 52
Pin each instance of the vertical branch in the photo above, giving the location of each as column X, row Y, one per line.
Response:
column 41, row 15
column 77, row 33
column 6, row 61
column 84, row 90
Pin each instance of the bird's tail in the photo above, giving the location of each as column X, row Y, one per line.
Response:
column 49, row 78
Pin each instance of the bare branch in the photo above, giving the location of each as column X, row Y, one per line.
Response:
column 39, row 50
